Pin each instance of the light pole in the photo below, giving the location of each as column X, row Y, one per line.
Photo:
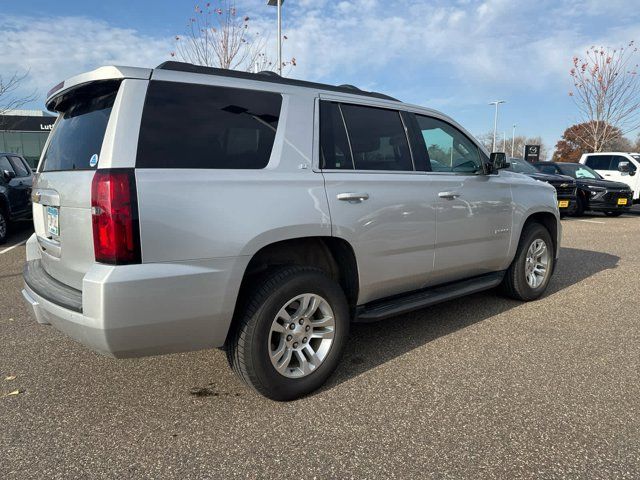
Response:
column 495, row 123
column 513, row 139
column 278, row 3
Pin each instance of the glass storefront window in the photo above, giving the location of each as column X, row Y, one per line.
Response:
column 27, row 144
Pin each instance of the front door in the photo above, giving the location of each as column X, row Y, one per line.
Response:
column 474, row 212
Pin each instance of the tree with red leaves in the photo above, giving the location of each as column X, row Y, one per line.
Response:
column 577, row 139
column 607, row 94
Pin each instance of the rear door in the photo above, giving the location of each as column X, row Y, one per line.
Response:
column 62, row 197
column 378, row 201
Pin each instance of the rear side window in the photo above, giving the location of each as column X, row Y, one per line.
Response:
column 377, row 138
column 335, row 152
column 202, row 126
column 19, row 167
column 79, row 131
column 599, row 162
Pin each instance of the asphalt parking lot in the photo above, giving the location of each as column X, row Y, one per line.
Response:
column 481, row 387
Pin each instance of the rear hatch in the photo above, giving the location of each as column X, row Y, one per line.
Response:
column 62, row 195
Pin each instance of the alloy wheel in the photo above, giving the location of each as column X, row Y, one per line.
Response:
column 301, row 335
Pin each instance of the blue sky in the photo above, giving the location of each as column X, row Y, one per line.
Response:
column 452, row 55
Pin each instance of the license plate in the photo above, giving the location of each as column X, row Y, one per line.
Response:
column 622, row 201
column 563, row 204
column 53, row 227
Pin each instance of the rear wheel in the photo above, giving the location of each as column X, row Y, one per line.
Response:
column 290, row 333
column 613, row 214
column 528, row 276
column 4, row 226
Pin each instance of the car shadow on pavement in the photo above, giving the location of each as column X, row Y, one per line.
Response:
column 373, row 344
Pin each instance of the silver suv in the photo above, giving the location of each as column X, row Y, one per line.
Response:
column 185, row 207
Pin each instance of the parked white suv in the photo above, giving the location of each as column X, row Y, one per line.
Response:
column 616, row 166
column 185, row 207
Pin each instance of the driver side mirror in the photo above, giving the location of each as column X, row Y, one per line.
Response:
column 623, row 167
column 8, row 175
column 498, row 160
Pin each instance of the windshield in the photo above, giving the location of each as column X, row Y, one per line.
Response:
column 521, row 166
column 579, row 171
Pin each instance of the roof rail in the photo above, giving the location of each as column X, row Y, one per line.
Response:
column 267, row 76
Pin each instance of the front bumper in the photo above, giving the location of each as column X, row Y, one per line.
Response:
column 608, row 201
column 147, row 309
column 570, row 202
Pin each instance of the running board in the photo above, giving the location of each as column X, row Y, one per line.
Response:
column 408, row 302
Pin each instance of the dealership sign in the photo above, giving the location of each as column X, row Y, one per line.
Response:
column 20, row 123
column 532, row 153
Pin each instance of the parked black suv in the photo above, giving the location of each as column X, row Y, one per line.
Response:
column 565, row 185
column 594, row 192
column 16, row 179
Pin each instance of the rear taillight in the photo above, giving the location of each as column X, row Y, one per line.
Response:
column 114, row 210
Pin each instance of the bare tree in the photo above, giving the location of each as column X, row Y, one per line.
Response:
column 486, row 139
column 221, row 37
column 607, row 94
column 10, row 99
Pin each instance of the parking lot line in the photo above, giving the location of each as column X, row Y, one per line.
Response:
column 8, row 249
column 592, row 221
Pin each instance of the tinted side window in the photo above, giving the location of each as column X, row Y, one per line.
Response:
column 6, row 165
column 616, row 159
column 378, row 139
column 449, row 149
column 599, row 162
column 19, row 167
column 335, row 152
column 202, row 126
column 550, row 169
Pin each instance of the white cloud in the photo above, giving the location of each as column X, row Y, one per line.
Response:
column 480, row 44
column 54, row 49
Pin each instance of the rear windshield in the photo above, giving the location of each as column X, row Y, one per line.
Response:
column 201, row 126
column 77, row 137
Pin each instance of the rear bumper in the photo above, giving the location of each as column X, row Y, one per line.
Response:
column 147, row 309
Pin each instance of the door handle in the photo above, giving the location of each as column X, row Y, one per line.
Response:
column 449, row 195
column 352, row 197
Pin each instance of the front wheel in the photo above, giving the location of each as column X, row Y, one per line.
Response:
column 529, row 274
column 290, row 333
column 580, row 206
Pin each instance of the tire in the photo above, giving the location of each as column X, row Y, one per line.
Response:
column 4, row 226
column 252, row 339
column 515, row 283
column 580, row 206
column 613, row 214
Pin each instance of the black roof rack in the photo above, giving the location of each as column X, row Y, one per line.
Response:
column 268, row 77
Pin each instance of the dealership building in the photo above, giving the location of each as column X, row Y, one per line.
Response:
column 24, row 132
